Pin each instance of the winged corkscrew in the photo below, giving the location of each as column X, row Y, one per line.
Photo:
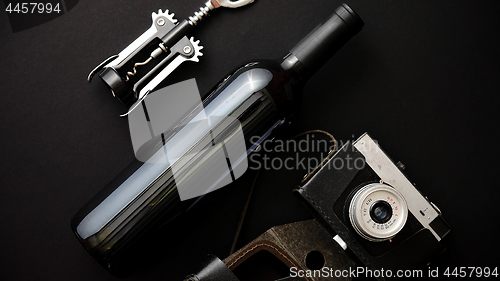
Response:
column 152, row 57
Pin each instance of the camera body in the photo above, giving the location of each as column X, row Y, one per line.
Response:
column 362, row 196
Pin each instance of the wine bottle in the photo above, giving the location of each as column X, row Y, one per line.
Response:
column 145, row 193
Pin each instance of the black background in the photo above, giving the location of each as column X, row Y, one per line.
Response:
column 422, row 77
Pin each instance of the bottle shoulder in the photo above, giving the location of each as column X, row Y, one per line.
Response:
column 275, row 67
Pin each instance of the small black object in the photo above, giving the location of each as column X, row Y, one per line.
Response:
column 212, row 269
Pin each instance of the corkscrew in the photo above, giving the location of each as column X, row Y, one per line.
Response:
column 139, row 68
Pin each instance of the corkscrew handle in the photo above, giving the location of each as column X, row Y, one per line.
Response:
column 231, row 3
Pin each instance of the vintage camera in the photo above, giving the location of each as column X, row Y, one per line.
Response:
column 364, row 198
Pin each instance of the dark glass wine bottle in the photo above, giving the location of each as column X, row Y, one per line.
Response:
column 262, row 96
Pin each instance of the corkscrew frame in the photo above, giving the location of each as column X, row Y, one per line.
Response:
column 117, row 70
column 154, row 31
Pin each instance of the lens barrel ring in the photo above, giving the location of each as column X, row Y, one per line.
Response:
column 382, row 224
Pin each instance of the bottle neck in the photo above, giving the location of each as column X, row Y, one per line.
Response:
column 294, row 67
column 312, row 52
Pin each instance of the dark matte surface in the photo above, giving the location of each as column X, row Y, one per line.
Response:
column 422, row 77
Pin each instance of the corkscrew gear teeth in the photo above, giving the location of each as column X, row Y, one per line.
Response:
column 197, row 49
column 166, row 14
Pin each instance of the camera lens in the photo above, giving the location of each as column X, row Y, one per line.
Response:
column 378, row 212
column 381, row 212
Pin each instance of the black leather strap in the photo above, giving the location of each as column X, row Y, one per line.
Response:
column 212, row 269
